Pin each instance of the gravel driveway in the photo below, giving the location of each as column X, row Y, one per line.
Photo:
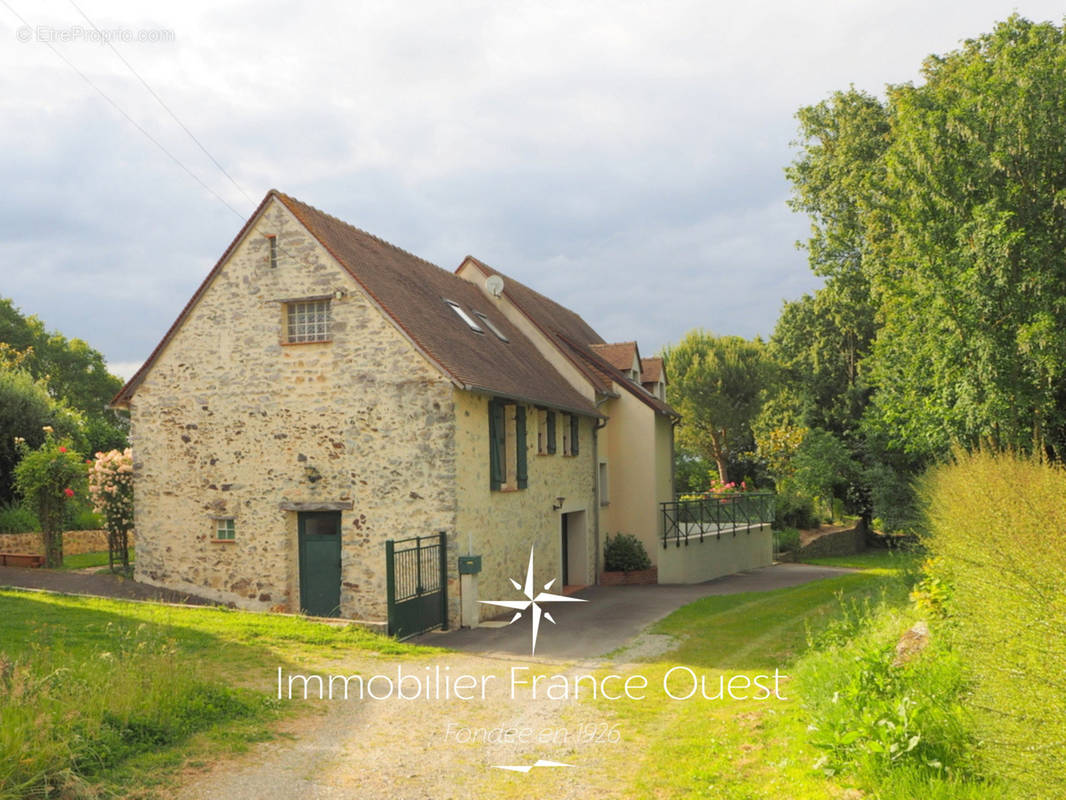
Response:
column 417, row 749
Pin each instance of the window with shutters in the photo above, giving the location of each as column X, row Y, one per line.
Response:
column 508, row 451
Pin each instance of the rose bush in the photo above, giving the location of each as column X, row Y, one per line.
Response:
column 111, row 489
column 48, row 478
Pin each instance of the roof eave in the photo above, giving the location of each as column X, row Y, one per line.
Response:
column 533, row 401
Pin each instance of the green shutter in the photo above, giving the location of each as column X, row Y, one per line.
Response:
column 551, row 432
column 521, row 474
column 497, row 445
column 575, row 422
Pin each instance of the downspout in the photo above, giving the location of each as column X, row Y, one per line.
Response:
column 601, row 423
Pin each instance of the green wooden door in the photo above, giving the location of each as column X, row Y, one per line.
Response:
column 320, row 563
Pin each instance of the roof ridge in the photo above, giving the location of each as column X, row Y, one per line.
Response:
column 368, row 234
column 528, row 288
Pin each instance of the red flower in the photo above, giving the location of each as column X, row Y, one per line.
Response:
column 62, row 449
column 68, row 492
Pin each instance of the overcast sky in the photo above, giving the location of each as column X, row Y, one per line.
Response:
column 625, row 159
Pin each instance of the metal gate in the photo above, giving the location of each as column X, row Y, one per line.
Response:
column 416, row 578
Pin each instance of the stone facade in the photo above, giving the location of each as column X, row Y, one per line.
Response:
column 232, row 422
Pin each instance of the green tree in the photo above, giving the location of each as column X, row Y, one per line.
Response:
column 72, row 371
column 824, row 468
column 716, row 383
column 973, row 285
column 26, row 408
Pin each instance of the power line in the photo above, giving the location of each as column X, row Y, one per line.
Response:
column 129, row 119
column 140, row 128
column 159, row 100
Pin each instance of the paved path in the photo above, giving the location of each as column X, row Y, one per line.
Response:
column 614, row 615
column 100, row 585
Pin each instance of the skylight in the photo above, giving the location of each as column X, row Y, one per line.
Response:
column 465, row 317
column 491, row 327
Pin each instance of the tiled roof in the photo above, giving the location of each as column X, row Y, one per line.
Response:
column 651, row 369
column 620, row 355
column 552, row 319
column 411, row 291
column 616, row 375
column 575, row 339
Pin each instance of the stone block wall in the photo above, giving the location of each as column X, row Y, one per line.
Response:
column 838, row 543
column 233, row 422
column 74, row 542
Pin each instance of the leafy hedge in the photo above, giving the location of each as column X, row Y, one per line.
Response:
column 998, row 525
column 624, row 552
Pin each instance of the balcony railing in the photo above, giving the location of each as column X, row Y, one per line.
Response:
column 685, row 520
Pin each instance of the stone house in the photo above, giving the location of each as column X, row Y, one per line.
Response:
column 324, row 392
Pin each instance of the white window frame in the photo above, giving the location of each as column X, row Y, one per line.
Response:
column 308, row 321
column 461, row 313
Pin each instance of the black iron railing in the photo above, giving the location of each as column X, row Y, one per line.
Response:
column 714, row 515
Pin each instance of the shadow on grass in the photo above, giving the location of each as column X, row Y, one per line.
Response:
column 764, row 630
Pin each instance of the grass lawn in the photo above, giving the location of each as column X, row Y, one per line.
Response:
column 724, row 749
column 83, row 560
column 113, row 693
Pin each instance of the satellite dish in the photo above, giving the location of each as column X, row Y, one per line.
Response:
column 494, row 285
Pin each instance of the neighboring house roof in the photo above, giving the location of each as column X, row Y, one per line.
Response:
column 411, row 292
column 574, row 338
column 620, row 355
column 651, row 369
column 598, row 362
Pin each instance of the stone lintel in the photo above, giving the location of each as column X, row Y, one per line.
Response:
column 338, row 505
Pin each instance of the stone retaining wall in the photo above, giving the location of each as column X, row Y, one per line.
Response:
column 838, row 543
column 74, row 542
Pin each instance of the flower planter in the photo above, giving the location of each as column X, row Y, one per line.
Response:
column 640, row 577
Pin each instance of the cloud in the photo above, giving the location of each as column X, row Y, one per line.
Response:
column 622, row 157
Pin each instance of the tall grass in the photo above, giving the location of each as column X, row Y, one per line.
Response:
column 998, row 525
column 899, row 725
column 69, row 717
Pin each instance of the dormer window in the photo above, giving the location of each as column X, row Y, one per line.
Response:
column 461, row 313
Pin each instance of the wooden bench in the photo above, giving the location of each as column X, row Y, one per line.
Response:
column 21, row 560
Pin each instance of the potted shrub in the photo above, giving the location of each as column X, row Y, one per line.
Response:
column 625, row 561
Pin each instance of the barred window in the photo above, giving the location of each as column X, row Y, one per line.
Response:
column 308, row 321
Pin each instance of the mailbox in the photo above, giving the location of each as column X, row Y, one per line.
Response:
column 469, row 565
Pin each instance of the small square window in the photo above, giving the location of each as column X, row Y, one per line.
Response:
column 225, row 530
column 307, row 321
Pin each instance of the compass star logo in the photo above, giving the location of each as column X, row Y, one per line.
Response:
column 532, row 601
